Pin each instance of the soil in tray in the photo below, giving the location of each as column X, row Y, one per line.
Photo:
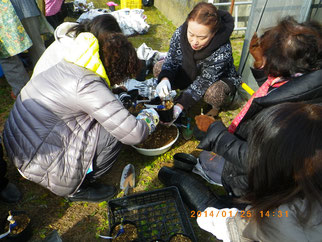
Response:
column 130, row 233
column 22, row 221
column 180, row 238
column 162, row 136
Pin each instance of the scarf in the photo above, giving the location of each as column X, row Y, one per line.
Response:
column 262, row 91
column 190, row 57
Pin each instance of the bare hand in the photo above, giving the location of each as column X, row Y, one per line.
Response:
column 256, row 51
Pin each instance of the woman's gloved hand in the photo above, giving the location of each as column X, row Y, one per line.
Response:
column 151, row 117
column 203, row 122
column 256, row 51
column 177, row 110
column 163, row 89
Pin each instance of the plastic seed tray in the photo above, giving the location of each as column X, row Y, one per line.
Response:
column 158, row 214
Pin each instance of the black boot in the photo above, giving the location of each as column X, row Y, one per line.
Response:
column 93, row 192
column 10, row 194
column 194, row 193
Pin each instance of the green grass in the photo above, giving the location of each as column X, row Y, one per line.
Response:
column 80, row 221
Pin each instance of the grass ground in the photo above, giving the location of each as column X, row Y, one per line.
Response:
column 82, row 221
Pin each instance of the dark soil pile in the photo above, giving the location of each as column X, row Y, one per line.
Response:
column 162, row 136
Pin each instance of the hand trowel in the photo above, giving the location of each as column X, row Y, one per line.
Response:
column 127, row 178
column 187, row 132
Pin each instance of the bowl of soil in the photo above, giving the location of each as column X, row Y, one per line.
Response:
column 159, row 142
column 130, row 232
column 179, row 237
column 22, row 231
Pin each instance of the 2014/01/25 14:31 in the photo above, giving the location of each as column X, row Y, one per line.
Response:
column 278, row 214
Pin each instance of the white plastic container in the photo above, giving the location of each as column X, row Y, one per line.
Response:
column 157, row 151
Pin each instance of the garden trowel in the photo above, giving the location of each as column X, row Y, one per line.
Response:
column 127, row 178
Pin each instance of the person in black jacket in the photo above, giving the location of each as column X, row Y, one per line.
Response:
column 200, row 61
column 287, row 67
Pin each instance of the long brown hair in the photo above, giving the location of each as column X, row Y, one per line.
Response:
column 205, row 14
column 285, row 158
column 118, row 56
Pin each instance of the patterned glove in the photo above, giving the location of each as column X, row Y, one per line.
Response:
column 163, row 89
column 151, row 117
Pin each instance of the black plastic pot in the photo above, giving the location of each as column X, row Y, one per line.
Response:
column 184, row 161
column 24, row 235
column 165, row 116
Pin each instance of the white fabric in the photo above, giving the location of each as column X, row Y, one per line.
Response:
column 163, row 88
column 131, row 21
column 145, row 52
column 214, row 221
column 57, row 50
column 82, row 5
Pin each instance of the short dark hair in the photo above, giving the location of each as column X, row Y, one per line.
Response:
column 291, row 47
column 285, row 157
column 205, row 14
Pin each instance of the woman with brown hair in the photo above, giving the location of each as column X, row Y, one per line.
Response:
column 66, row 128
column 285, row 180
column 288, row 61
column 200, row 60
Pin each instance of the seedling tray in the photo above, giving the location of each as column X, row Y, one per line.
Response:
column 158, row 214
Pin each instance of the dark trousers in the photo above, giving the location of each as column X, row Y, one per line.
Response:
column 3, row 170
column 107, row 151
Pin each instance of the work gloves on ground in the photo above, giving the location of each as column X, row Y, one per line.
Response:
column 163, row 89
column 151, row 117
column 203, row 122
column 256, row 51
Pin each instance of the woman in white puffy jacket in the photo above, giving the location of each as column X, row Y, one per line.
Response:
column 66, row 127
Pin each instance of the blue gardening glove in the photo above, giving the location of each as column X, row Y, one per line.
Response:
column 151, row 117
column 163, row 89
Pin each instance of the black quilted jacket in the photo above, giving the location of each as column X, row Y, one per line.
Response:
column 219, row 64
column 233, row 147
